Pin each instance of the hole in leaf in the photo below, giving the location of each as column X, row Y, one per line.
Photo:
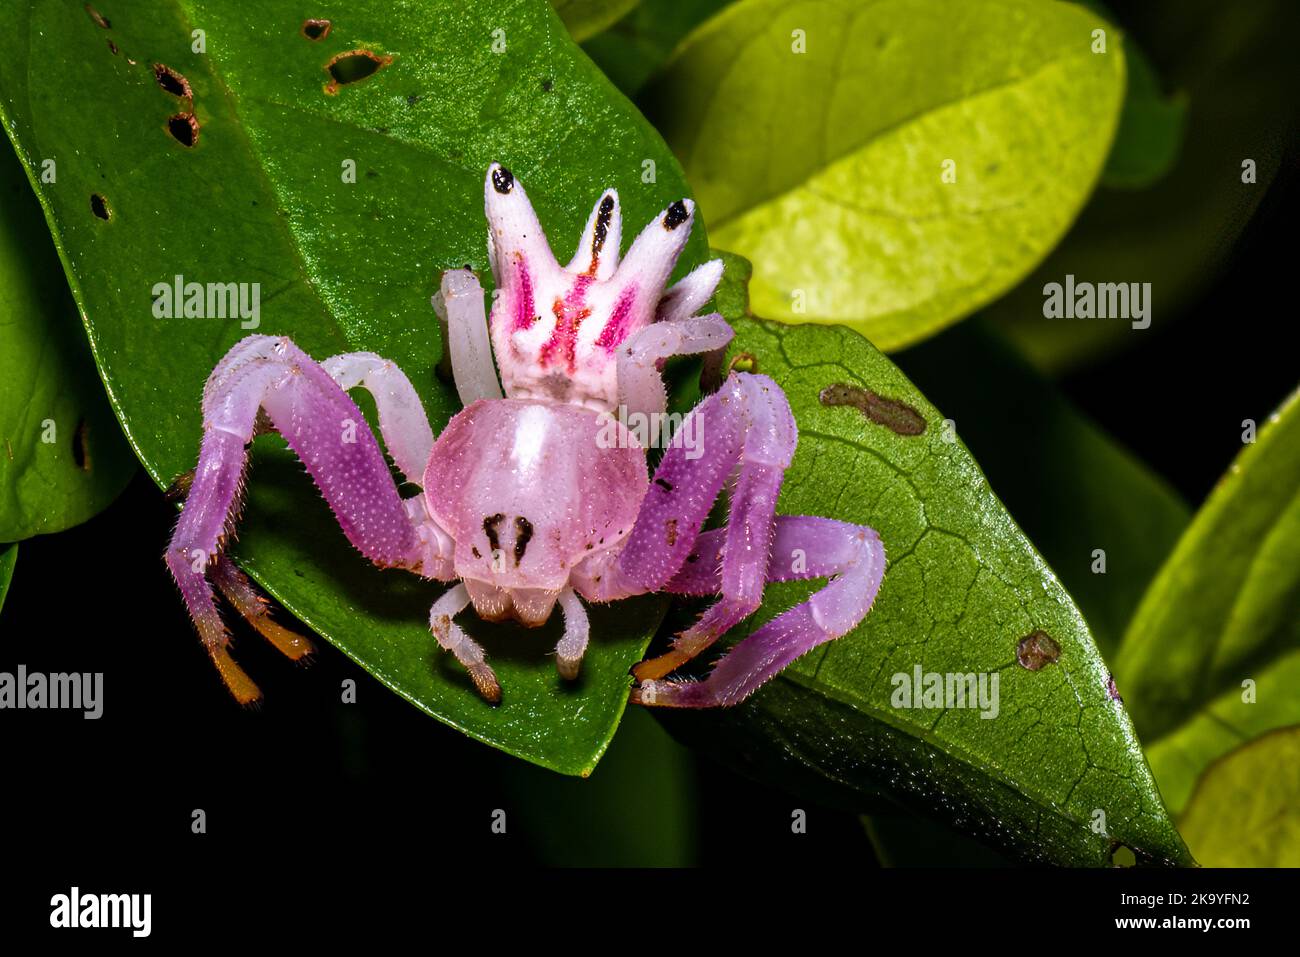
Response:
column 80, row 454
column 184, row 128
column 171, row 81
column 353, row 66
column 100, row 20
column 99, row 206
column 316, row 29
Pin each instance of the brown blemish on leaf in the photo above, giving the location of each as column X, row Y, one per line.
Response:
column 316, row 30
column 1037, row 650
column 670, row 532
column 99, row 206
column 112, row 48
column 898, row 417
column 81, row 454
column 184, row 128
column 352, row 67
column 100, row 20
column 1111, row 690
column 172, row 82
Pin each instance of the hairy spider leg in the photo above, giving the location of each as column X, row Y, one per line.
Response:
column 326, row 430
column 640, row 380
column 804, row 547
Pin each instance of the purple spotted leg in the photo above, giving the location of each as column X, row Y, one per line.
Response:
column 327, row 431
column 746, row 427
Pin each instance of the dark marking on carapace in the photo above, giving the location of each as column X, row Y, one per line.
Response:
column 503, row 181
column 184, row 128
column 475, row 551
column 676, row 215
column 99, row 206
column 172, row 81
column 670, row 532
column 490, row 524
column 523, row 535
column 1037, row 650
column 666, row 486
column 101, row 21
column 353, row 66
column 81, row 454
column 316, row 30
column 897, row 416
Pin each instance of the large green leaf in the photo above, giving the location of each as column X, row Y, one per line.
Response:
column 62, row 456
column 826, row 168
column 1224, row 611
column 1104, row 522
column 262, row 196
column 636, row 47
column 1246, row 809
column 585, row 18
column 965, row 592
column 8, row 557
column 1236, row 65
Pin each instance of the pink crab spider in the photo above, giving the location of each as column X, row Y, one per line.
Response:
column 525, row 500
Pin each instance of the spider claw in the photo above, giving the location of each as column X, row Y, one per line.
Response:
column 665, row 664
column 245, row 691
column 486, row 682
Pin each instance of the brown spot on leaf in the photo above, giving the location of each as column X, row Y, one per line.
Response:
column 352, row 67
column 1111, row 690
column 101, row 21
column 112, row 48
column 99, row 206
column 315, row 30
column 1037, row 650
column 172, row 81
column 898, row 417
column 184, row 128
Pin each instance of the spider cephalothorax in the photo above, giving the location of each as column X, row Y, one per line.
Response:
column 526, row 502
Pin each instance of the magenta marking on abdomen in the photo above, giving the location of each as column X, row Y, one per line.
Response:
column 616, row 330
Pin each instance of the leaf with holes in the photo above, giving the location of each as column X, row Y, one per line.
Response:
column 1026, row 769
column 267, row 160
column 891, row 165
column 62, row 458
column 1212, row 656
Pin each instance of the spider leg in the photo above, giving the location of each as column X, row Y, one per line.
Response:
column 640, row 381
column 402, row 421
column 569, row 652
column 246, row 600
column 851, row 556
column 453, row 638
column 459, row 305
column 326, row 430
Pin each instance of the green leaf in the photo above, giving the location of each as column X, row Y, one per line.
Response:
column 62, row 458
column 1224, row 610
column 826, row 167
column 634, row 49
column 1069, row 486
column 262, row 197
column 1150, row 126
column 963, row 592
column 1227, row 59
column 8, row 558
column 1246, row 809
column 585, row 18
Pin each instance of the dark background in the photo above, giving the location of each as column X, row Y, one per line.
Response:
column 307, row 780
